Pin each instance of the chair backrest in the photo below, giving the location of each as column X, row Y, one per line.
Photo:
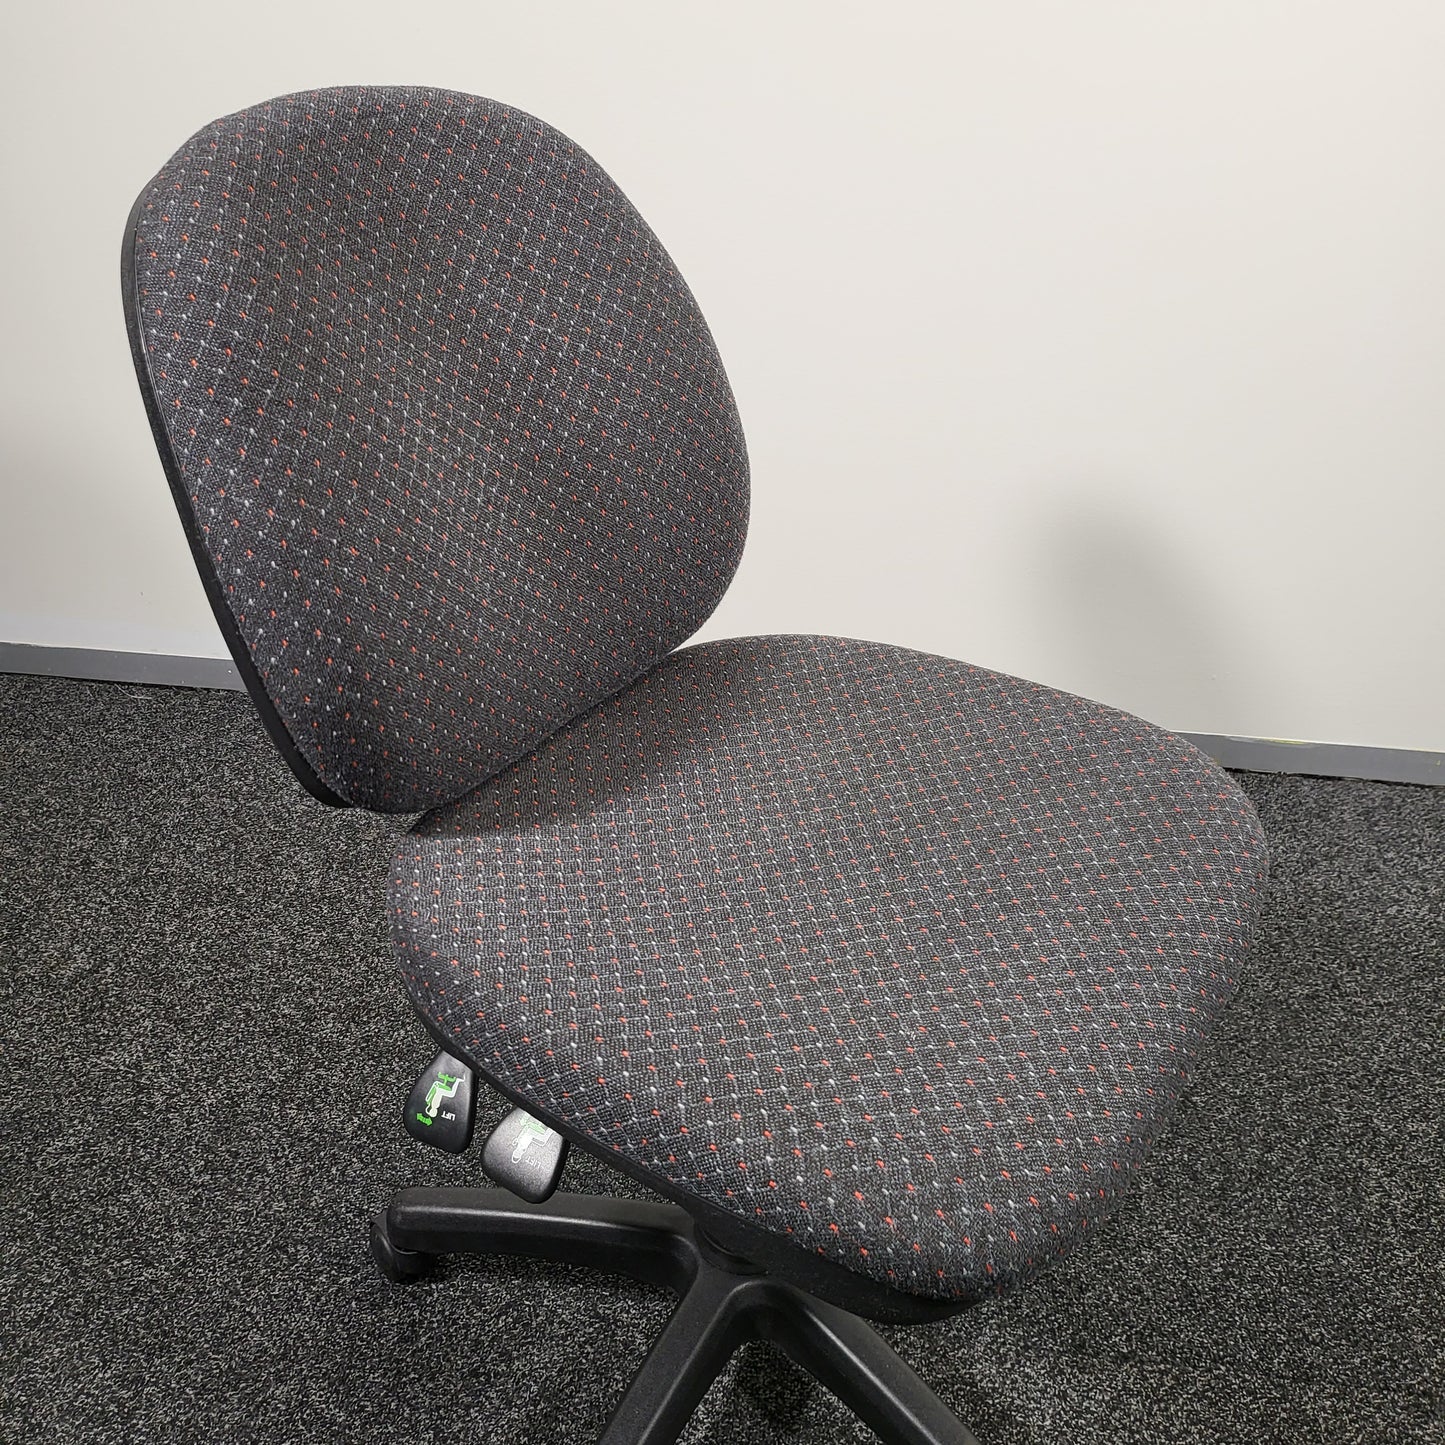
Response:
column 451, row 441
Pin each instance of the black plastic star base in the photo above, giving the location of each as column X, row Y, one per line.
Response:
column 723, row 1301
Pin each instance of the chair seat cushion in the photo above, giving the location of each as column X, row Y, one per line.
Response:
column 897, row 957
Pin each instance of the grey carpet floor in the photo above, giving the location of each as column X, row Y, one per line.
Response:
column 205, row 1053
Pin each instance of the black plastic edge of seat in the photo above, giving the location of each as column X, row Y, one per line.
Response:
column 215, row 594
column 827, row 1279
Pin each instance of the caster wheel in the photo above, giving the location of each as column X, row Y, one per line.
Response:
column 400, row 1266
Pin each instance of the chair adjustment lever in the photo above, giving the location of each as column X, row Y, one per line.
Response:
column 522, row 1154
column 442, row 1105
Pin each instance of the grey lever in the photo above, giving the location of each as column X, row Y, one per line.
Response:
column 524, row 1155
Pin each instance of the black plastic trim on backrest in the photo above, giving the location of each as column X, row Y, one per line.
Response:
column 215, row 595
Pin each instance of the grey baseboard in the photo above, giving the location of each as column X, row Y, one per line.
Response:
column 1324, row 760
column 1261, row 755
column 96, row 665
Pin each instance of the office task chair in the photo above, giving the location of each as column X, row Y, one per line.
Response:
column 882, row 970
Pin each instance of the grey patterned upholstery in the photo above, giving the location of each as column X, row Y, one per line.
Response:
column 897, row 960
column 447, row 426
column 900, row 957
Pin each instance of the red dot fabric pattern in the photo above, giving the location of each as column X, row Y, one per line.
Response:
column 900, row 958
column 452, row 432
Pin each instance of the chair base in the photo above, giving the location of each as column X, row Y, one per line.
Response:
column 723, row 1301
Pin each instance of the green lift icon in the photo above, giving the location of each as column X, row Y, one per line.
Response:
column 444, row 1088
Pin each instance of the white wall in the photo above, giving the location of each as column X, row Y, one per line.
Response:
column 1099, row 342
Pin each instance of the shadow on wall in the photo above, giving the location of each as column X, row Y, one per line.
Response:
column 1132, row 618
